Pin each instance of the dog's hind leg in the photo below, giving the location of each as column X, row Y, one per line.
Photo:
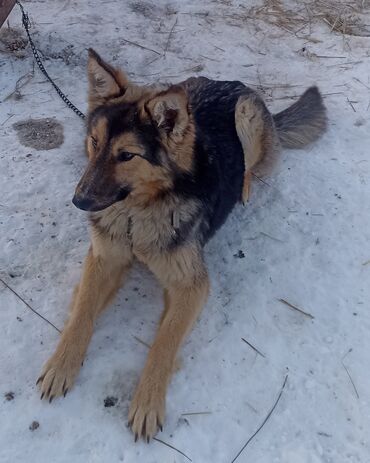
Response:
column 255, row 129
column 105, row 266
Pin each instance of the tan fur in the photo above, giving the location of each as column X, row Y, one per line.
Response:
column 142, row 227
column 256, row 133
column 135, row 93
column 182, row 153
column 180, row 141
column 105, row 266
column 182, row 274
column 99, row 133
column 126, row 142
column 147, row 180
column 105, row 82
column 166, row 302
column 171, row 101
column 148, row 405
column 186, row 287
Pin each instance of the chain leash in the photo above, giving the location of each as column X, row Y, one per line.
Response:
column 26, row 24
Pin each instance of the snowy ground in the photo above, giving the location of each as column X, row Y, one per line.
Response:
column 305, row 237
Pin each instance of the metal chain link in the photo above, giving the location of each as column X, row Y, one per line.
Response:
column 26, row 24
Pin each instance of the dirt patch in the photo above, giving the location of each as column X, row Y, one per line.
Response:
column 41, row 134
column 9, row 396
column 110, row 401
column 13, row 40
column 150, row 10
column 34, row 425
column 240, row 254
column 56, row 47
column 143, row 8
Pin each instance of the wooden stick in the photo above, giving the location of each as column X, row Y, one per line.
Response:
column 172, row 447
column 27, row 305
column 294, row 307
column 254, row 348
column 264, row 421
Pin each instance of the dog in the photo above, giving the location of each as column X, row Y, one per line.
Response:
column 166, row 166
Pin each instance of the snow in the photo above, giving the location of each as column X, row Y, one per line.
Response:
column 305, row 235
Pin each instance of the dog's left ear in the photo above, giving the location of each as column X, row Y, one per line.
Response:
column 170, row 112
column 105, row 82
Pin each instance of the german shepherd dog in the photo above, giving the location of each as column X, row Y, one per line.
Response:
column 166, row 166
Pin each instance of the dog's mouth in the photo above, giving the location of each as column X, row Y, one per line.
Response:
column 86, row 203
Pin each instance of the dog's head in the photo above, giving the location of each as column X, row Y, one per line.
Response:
column 138, row 138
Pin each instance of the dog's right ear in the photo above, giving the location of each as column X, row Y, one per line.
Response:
column 105, row 82
column 169, row 110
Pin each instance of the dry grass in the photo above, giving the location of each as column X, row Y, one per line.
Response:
column 344, row 17
column 294, row 307
column 298, row 18
column 28, row 305
column 264, row 421
column 13, row 40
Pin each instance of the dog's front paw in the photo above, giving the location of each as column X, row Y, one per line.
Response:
column 57, row 376
column 146, row 414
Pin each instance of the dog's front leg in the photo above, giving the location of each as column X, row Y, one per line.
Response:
column 184, row 300
column 104, row 268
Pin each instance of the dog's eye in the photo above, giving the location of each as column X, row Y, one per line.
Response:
column 94, row 142
column 125, row 156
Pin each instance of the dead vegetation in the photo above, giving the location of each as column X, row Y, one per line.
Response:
column 294, row 307
column 40, row 134
column 263, row 422
column 298, row 18
column 14, row 41
column 344, row 17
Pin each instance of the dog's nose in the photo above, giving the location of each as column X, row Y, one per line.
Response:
column 82, row 202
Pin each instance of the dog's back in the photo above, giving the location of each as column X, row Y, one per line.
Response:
column 219, row 165
column 234, row 131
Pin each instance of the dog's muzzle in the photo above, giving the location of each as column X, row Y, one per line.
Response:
column 87, row 204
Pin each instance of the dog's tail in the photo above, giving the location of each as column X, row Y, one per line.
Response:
column 303, row 122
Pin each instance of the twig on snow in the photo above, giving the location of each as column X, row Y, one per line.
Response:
column 252, row 347
column 260, row 179
column 172, row 447
column 142, row 342
column 360, row 81
column 271, row 237
column 169, row 37
column 349, row 375
column 27, row 305
column 264, row 421
column 350, row 102
column 21, row 82
column 6, row 120
column 212, row 59
column 296, row 308
column 218, row 48
column 141, row 46
column 328, row 57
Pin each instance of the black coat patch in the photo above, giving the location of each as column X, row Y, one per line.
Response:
column 217, row 177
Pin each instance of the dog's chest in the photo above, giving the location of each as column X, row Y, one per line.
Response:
column 150, row 230
column 147, row 230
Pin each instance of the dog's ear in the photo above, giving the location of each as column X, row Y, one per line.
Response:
column 170, row 112
column 105, row 82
